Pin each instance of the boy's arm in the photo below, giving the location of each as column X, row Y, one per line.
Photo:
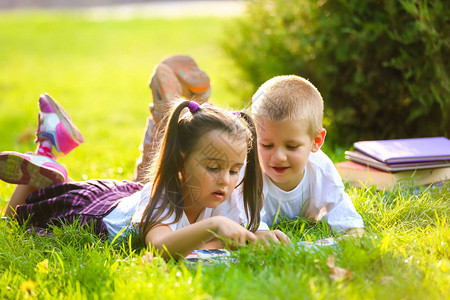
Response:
column 343, row 216
column 331, row 201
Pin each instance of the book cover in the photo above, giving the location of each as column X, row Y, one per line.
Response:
column 360, row 175
column 364, row 159
column 406, row 150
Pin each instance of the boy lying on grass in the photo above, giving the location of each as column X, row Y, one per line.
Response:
column 299, row 179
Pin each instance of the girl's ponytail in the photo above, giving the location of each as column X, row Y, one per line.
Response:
column 253, row 183
column 181, row 135
column 165, row 168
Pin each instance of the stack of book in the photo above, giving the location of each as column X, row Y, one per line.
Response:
column 384, row 163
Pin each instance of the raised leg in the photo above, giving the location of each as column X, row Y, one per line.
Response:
column 18, row 197
column 175, row 77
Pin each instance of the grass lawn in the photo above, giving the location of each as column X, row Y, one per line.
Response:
column 98, row 70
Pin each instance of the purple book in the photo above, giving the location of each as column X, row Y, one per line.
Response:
column 406, row 150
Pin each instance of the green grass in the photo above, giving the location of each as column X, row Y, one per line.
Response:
column 98, row 70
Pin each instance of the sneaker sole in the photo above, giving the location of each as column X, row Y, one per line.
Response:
column 17, row 170
column 72, row 129
column 187, row 70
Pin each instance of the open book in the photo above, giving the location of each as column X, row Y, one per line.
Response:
column 213, row 256
column 210, row 256
column 316, row 244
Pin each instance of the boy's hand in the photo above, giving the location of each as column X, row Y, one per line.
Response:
column 352, row 233
column 356, row 232
column 273, row 236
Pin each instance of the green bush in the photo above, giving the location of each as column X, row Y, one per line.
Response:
column 381, row 66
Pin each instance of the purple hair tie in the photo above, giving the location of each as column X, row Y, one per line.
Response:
column 237, row 113
column 193, row 106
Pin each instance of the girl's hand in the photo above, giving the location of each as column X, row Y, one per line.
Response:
column 232, row 231
column 273, row 236
column 215, row 243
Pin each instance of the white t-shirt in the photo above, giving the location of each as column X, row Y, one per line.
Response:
column 128, row 213
column 319, row 195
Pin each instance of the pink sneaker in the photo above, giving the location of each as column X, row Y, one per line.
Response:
column 35, row 170
column 56, row 126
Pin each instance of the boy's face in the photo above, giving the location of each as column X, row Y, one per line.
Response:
column 284, row 148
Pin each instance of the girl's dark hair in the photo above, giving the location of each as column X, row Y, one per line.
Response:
column 181, row 135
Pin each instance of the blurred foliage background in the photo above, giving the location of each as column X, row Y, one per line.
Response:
column 98, row 69
column 381, row 66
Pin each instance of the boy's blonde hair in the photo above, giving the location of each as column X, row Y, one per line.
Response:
column 289, row 97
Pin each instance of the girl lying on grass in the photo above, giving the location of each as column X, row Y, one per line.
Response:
column 190, row 202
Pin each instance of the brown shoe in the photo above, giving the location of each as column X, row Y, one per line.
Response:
column 195, row 82
column 175, row 77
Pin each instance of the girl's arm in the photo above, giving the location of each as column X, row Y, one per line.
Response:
column 179, row 243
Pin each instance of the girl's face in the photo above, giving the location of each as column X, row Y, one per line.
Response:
column 211, row 171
